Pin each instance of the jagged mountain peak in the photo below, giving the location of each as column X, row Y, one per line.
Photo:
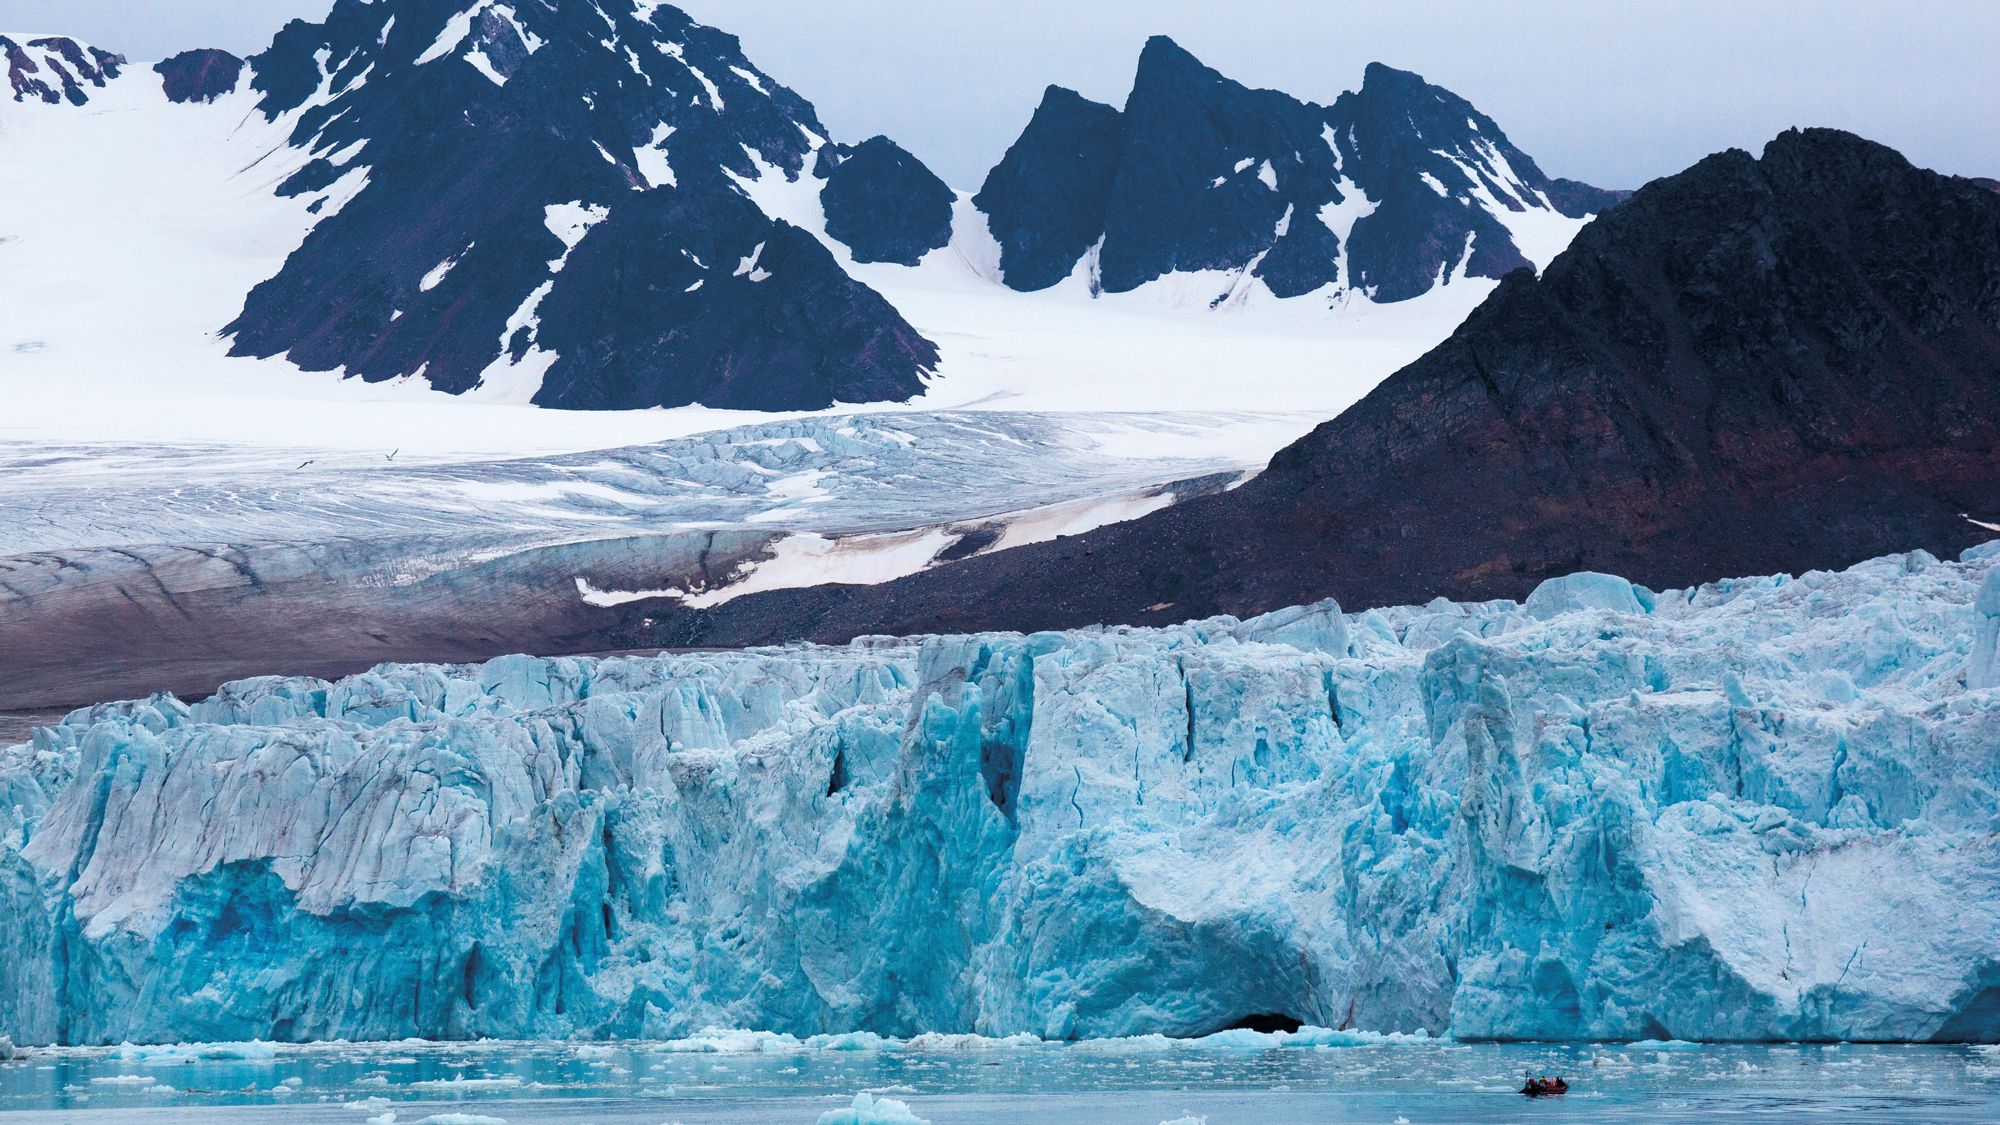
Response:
column 882, row 202
column 1058, row 98
column 55, row 69
column 1415, row 114
column 1410, row 111
column 1393, row 190
column 199, row 75
column 1757, row 365
column 1379, row 79
column 1171, row 79
column 1047, row 199
column 1166, row 65
column 1162, row 61
column 482, row 145
column 630, row 71
column 1823, row 160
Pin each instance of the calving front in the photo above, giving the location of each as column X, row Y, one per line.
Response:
column 1758, row 809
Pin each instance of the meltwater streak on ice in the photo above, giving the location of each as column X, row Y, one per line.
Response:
column 1760, row 809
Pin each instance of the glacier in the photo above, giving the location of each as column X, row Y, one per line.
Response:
column 1760, row 809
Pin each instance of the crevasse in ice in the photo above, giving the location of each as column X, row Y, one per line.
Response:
column 1765, row 808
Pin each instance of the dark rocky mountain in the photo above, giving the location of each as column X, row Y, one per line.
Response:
column 622, row 313
column 543, row 194
column 1754, row 366
column 554, row 202
column 1422, row 153
column 883, row 202
column 1209, row 173
column 199, row 76
column 1988, row 184
column 1387, row 190
column 56, row 69
column 1047, row 199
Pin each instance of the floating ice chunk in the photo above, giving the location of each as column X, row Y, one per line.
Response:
column 1187, row 1119
column 946, row 1041
column 463, row 1085
column 850, row 1041
column 871, row 1110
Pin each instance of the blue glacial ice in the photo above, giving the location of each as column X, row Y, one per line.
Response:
column 1761, row 809
column 871, row 1110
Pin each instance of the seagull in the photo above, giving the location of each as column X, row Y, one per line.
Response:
column 392, row 455
column 307, row 463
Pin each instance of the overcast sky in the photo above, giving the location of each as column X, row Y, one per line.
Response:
column 1614, row 93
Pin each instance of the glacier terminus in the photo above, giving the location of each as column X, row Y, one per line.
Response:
column 1761, row 809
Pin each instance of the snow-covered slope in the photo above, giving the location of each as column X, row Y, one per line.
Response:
column 1758, row 809
column 607, row 206
column 547, row 206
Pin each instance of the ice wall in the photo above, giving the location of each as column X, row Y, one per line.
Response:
column 1766, row 808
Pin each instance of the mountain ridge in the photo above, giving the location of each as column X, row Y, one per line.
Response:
column 472, row 143
column 455, row 156
column 1753, row 366
column 1392, row 189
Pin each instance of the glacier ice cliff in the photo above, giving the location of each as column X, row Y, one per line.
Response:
column 1763, row 808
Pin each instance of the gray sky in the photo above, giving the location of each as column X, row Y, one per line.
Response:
column 1611, row 92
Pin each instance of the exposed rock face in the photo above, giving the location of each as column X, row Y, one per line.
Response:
column 466, row 156
column 1605, row 821
column 1390, row 190
column 1755, row 365
column 1416, row 147
column 199, row 76
column 781, row 324
column 883, row 202
column 56, row 69
column 1186, row 127
column 1046, row 200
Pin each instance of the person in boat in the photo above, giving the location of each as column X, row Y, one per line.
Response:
column 1544, row 1087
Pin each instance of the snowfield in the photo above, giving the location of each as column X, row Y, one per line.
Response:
column 1761, row 809
column 190, row 510
column 234, row 497
column 120, row 285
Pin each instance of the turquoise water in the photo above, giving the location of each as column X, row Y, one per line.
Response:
column 963, row 1081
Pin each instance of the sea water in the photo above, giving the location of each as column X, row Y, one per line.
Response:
column 750, row 1079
